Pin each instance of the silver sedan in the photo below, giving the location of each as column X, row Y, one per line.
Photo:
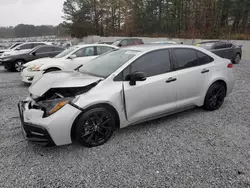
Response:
column 120, row 88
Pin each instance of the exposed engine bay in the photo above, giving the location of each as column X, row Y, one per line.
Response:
column 55, row 93
column 56, row 98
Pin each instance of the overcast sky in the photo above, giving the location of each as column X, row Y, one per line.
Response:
column 37, row 12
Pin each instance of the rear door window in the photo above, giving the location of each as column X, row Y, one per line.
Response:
column 44, row 50
column 229, row 45
column 87, row 51
column 186, row 58
column 25, row 46
column 102, row 49
column 220, row 45
column 203, row 58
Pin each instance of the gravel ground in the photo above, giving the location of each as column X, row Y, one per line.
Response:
column 190, row 149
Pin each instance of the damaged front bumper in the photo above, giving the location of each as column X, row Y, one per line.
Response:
column 34, row 133
column 47, row 131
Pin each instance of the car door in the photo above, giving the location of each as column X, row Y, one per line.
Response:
column 82, row 56
column 45, row 51
column 155, row 95
column 193, row 70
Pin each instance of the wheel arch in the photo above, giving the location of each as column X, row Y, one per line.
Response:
column 20, row 59
column 52, row 68
column 239, row 54
column 104, row 105
column 215, row 81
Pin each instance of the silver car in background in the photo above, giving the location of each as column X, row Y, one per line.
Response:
column 123, row 87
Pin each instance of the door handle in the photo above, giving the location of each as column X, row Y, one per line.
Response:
column 171, row 80
column 204, row 71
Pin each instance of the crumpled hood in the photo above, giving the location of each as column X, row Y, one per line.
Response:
column 66, row 79
column 41, row 61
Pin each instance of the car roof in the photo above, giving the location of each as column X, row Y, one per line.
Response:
column 151, row 47
column 87, row 45
column 36, row 42
column 40, row 46
column 213, row 41
column 166, row 41
column 128, row 39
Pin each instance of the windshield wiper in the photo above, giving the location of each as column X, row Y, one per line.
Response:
column 77, row 68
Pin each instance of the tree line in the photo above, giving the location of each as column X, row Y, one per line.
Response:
column 23, row 30
column 170, row 18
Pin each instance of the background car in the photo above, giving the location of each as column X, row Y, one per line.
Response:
column 11, row 47
column 27, row 46
column 69, row 59
column 123, row 87
column 105, row 42
column 163, row 42
column 223, row 49
column 15, row 62
column 127, row 42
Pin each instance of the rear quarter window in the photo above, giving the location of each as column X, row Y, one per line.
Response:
column 204, row 58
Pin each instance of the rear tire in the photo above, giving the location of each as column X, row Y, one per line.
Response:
column 95, row 127
column 215, row 97
column 237, row 59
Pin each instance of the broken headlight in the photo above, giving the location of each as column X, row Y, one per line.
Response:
column 35, row 68
column 52, row 106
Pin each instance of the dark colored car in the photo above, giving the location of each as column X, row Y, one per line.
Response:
column 15, row 62
column 127, row 42
column 105, row 42
column 223, row 49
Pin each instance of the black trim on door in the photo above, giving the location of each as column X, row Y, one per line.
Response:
column 95, row 50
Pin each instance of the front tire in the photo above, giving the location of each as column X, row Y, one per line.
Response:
column 215, row 97
column 95, row 127
column 51, row 70
column 18, row 65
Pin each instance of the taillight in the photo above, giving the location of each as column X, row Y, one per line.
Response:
column 230, row 66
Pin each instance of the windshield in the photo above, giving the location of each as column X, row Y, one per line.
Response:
column 106, row 64
column 207, row 46
column 116, row 43
column 66, row 52
column 14, row 45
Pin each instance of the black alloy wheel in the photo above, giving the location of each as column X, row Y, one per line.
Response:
column 215, row 96
column 95, row 127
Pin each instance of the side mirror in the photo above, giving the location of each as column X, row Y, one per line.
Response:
column 119, row 45
column 73, row 56
column 18, row 48
column 33, row 53
column 134, row 77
